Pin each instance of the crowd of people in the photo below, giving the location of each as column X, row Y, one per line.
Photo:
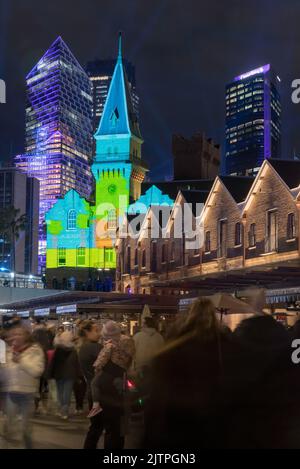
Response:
column 45, row 365
column 202, row 386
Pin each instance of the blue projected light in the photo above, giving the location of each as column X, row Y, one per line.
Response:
column 153, row 196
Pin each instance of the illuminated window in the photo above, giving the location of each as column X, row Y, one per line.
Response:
column 252, row 235
column 112, row 219
column 108, row 255
column 71, row 225
column 80, row 256
column 61, row 260
column 291, row 227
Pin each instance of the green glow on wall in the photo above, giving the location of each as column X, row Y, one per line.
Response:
column 55, row 227
column 82, row 220
column 118, row 138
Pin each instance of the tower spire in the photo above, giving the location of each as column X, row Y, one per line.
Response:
column 120, row 46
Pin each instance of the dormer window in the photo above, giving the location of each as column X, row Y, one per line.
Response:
column 114, row 117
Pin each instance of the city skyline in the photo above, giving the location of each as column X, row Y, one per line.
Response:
column 181, row 75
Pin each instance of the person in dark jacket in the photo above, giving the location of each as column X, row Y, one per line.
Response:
column 192, row 384
column 267, row 410
column 65, row 370
column 42, row 336
column 90, row 333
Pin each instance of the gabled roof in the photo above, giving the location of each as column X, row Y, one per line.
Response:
column 195, row 197
column 173, row 187
column 71, row 199
column 152, row 196
column 268, row 166
column 237, row 186
column 118, row 115
column 288, row 170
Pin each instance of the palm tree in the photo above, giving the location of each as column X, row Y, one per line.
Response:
column 11, row 226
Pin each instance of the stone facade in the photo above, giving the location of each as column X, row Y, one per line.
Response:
column 256, row 226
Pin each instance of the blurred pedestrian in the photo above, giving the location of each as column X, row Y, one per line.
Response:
column 269, row 398
column 65, row 370
column 108, row 386
column 190, row 396
column 19, row 377
column 41, row 336
column 148, row 342
column 117, row 354
column 90, row 333
column 79, row 387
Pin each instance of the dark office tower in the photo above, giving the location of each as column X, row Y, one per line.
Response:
column 100, row 73
column 58, row 130
column 22, row 193
column 253, row 121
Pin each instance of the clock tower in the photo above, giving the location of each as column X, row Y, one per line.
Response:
column 118, row 168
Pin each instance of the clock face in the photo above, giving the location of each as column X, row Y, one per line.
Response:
column 112, row 188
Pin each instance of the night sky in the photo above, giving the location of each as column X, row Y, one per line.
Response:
column 185, row 51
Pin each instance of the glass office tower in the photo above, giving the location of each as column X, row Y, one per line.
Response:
column 253, row 121
column 100, row 73
column 58, row 130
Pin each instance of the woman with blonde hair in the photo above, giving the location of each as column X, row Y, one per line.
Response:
column 201, row 319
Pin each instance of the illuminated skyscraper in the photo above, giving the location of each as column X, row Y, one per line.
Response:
column 58, row 130
column 253, row 121
column 101, row 73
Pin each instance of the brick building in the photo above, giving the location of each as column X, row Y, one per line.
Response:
column 195, row 158
column 247, row 225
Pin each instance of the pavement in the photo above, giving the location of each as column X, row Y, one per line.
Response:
column 51, row 432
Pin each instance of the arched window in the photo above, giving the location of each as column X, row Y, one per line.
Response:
column 72, row 219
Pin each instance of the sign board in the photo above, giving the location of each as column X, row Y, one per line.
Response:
column 23, row 314
column 42, row 312
column 66, row 309
column 185, row 303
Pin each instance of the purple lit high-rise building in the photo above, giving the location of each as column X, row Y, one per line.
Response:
column 58, row 147
column 253, row 121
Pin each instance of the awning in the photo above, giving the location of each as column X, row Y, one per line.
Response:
column 283, row 295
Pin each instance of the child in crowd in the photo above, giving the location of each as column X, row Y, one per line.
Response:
column 114, row 359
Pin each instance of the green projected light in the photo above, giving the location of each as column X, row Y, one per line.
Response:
column 80, row 234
